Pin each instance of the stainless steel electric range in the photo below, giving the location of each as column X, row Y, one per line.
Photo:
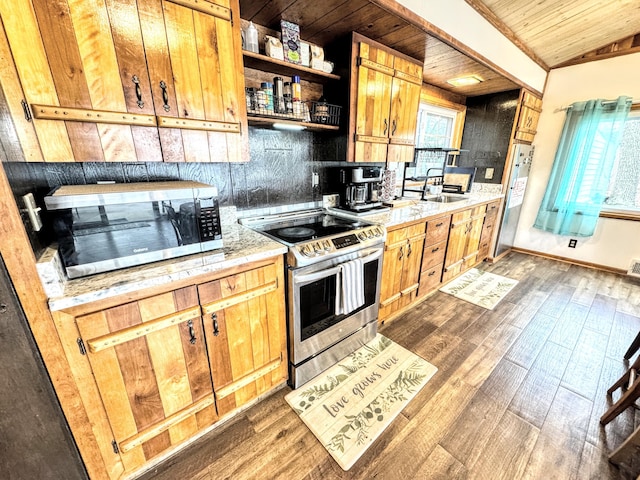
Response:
column 334, row 267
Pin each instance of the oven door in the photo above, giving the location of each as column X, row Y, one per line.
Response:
column 313, row 291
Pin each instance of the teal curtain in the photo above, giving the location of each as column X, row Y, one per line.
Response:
column 582, row 167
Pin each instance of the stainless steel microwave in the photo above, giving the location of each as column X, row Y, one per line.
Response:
column 105, row 227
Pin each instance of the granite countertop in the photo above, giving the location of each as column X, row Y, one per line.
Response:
column 419, row 210
column 241, row 245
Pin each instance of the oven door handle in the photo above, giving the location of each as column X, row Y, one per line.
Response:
column 312, row 277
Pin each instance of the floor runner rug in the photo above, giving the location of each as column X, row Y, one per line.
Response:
column 349, row 405
column 480, row 288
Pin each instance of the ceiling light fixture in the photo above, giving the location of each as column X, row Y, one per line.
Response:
column 465, row 81
column 288, row 126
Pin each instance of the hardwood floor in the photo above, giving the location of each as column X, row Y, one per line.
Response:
column 518, row 394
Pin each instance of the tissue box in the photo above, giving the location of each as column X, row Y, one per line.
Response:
column 291, row 41
column 273, row 48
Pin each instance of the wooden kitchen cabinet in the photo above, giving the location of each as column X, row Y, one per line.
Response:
column 530, row 108
column 145, row 81
column 401, row 269
column 384, row 103
column 464, row 241
column 489, row 226
column 435, row 246
column 160, row 368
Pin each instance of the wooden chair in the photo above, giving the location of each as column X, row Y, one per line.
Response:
column 630, row 385
column 628, row 450
column 633, row 348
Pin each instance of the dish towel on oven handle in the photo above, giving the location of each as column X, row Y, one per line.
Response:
column 351, row 290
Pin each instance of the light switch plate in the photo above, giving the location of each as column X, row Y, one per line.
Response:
column 488, row 174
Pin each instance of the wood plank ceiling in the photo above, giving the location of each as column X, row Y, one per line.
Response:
column 321, row 22
column 552, row 32
column 559, row 32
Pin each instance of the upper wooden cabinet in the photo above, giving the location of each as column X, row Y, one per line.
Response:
column 129, row 81
column 384, row 100
column 528, row 115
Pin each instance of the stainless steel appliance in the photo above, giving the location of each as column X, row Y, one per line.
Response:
column 321, row 330
column 518, row 176
column 360, row 188
column 109, row 226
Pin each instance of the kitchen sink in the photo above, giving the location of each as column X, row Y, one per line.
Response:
column 446, row 199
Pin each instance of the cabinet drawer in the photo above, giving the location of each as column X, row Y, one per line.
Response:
column 433, row 255
column 430, row 279
column 437, row 230
column 492, row 209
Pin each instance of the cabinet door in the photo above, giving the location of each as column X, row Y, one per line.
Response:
column 473, row 242
column 405, row 101
column 411, row 267
column 392, row 265
column 244, row 321
column 84, row 75
column 373, row 100
column 149, row 360
column 530, row 108
column 199, row 85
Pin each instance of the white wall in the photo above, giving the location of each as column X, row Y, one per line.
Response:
column 461, row 21
column 615, row 242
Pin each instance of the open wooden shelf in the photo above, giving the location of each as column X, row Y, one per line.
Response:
column 262, row 62
column 268, row 122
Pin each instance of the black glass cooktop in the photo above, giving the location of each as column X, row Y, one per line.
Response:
column 292, row 231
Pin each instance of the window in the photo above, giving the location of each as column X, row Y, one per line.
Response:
column 435, row 128
column 623, row 193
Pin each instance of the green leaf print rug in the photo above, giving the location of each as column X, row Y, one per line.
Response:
column 480, row 288
column 349, row 405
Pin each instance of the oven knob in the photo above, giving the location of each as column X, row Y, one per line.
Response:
column 362, row 236
column 369, row 234
column 317, row 248
column 327, row 245
column 306, row 251
column 378, row 232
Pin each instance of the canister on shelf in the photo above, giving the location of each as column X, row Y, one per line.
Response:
column 267, row 88
column 278, row 95
column 288, row 99
column 250, row 93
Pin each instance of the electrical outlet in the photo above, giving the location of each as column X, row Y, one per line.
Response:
column 572, row 243
column 315, row 180
column 488, row 173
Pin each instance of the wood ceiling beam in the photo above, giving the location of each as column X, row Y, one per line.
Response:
column 624, row 46
column 404, row 13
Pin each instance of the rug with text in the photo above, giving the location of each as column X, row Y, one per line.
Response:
column 480, row 288
column 349, row 405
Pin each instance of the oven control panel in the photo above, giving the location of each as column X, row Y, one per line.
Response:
column 327, row 246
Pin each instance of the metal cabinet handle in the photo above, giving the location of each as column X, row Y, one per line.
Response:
column 216, row 329
column 393, row 127
column 165, row 96
column 386, row 127
column 434, row 250
column 136, row 82
column 439, row 224
column 401, row 254
column 409, row 252
column 192, row 332
column 431, row 274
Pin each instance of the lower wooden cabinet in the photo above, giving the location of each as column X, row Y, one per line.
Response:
column 489, row 226
column 464, row 241
column 435, row 246
column 157, row 370
column 401, row 268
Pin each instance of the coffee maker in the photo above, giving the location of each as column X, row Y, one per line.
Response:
column 360, row 188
